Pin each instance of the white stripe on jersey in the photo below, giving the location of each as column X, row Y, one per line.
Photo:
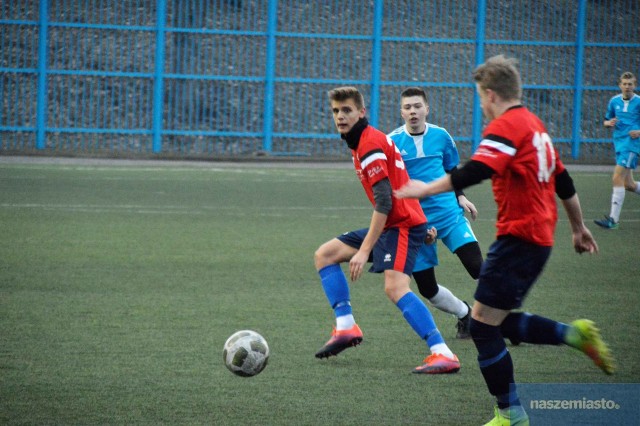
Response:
column 370, row 159
column 499, row 146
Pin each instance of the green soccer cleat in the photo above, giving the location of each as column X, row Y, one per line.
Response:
column 505, row 420
column 585, row 336
column 607, row 223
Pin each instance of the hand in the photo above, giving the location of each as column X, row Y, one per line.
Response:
column 583, row 242
column 610, row 123
column 432, row 234
column 468, row 207
column 412, row 189
column 357, row 263
column 634, row 134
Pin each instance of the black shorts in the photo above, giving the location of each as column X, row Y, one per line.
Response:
column 511, row 267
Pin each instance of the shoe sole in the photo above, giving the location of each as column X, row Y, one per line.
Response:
column 437, row 371
column 335, row 351
column 595, row 348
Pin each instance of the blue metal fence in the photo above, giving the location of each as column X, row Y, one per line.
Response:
column 233, row 78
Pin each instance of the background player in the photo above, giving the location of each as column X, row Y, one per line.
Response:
column 396, row 232
column 429, row 153
column 623, row 114
column 517, row 154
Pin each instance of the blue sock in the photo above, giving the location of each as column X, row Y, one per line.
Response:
column 419, row 318
column 535, row 329
column 336, row 288
column 495, row 362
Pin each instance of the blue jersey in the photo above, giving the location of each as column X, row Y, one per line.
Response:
column 628, row 115
column 427, row 158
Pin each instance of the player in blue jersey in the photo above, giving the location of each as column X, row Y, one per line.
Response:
column 623, row 114
column 429, row 153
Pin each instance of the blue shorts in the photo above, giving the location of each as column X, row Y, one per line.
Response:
column 627, row 159
column 396, row 248
column 453, row 236
column 510, row 269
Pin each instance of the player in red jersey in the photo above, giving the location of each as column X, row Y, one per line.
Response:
column 391, row 242
column 516, row 152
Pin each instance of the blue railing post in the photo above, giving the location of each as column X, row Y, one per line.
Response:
column 578, row 87
column 270, row 75
column 480, row 36
column 376, row 61
column 158, row 75
column 41, row 111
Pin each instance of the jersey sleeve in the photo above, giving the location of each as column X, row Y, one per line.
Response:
column 374, row 162
column 451, row 157
column 495, row 150
column 611, row 111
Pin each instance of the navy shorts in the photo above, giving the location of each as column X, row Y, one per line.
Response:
column 396, row 248
column 511, row 267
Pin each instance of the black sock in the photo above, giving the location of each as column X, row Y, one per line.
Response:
column 495, row 362
column 529, row 328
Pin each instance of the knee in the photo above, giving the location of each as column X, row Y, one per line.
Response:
column 395, row 292
column 320, row 258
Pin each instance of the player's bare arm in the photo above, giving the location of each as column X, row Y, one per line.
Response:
column 419, row 189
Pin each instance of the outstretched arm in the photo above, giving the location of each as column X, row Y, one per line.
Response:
column 419, row 189
column 471, row 173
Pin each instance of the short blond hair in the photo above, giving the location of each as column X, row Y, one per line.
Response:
column 500, row 75
column 627, row 75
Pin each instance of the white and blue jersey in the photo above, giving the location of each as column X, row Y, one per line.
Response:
column 427, row 157
column 628, row 115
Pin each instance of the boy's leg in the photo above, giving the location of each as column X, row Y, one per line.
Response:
column 346, row 333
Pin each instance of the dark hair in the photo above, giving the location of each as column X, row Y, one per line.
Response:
column 341, row 94
column 500, row 75
column 414, row 91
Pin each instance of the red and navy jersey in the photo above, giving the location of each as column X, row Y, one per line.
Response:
column 518, row 148
column 377, row 157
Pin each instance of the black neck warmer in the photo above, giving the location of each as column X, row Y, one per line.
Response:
column 353, row 136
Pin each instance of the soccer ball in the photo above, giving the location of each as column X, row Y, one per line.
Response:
column 245, row 353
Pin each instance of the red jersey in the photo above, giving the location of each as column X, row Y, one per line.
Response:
column 518, row 148
column 377, row 157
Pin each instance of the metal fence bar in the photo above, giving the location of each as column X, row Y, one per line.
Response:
column 480, row 42
column 41, row 111
column 376, row 56
column 579, row 65
column 158, row 75
column 270, row 72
